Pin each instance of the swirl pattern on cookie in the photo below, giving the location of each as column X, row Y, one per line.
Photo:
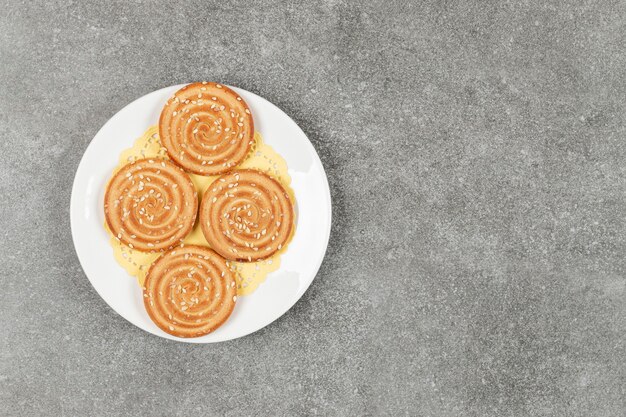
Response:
column 189, row 291
column 150, row 205
column 207, row 128
column 246, row 215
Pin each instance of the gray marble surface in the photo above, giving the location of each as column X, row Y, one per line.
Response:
column 476, row 153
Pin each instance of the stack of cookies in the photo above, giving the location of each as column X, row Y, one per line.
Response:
column 151, row 205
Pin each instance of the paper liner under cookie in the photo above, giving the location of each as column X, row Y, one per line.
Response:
column 249, row 274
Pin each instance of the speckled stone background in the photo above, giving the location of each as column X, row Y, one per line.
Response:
column 476, row 153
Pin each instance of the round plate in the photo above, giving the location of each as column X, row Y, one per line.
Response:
column 281, row 289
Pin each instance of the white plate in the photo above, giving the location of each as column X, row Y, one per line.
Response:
column 281, row 289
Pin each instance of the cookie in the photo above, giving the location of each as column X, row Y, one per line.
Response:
column 246, row 215
column 189, row 291
column 150, row 205
column 207, row 128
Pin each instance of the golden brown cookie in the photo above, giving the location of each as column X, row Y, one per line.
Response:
column 150, row 205
column 246, row 215
column 207, row 128
column 189, row 291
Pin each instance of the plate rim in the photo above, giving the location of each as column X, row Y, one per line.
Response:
column 73, row 219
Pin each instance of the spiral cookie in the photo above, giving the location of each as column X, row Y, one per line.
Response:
column 150, row 205
column 246, row 215
column 206, row 128
column 189, row 291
